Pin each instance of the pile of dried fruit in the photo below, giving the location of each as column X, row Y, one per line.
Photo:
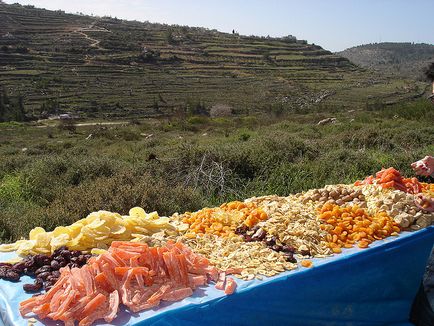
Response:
column 133, row 274
column 257, row 233
column 223, row 220
column 428, row 189
column 250, row 259
column 45, row 268
column 335, row 194
column 98, row 230
column 347, row 226
column 293, row 223
column 392, row 178
column 399, row 205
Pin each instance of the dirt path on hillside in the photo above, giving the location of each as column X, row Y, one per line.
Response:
column 86, row 124
column 89, row 124
column 91, row 28
column 95, row 42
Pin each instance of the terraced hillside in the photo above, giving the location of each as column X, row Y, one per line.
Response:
column 109, row 67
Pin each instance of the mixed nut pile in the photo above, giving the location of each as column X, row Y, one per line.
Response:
column 340, row 194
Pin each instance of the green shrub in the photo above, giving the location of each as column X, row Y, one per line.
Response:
column 19, row 217
column 119, row 193
column 11, row 188
column 47, row 177
column 198, row 120
column 244, row 136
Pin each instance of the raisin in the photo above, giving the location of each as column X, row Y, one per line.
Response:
column 75, row 253
column 13, row 269
column 55, row 274
column 59, row 250
column 277, row 248
column 29, row 262
column 44, row 275
column 39, row 260
column 19, row 267
column 290, row 258
column 12, row 276
column 66, row 254
column 87, row 257
column 49, row 282
column 256, row 228
column 3, row 271
column 271, row 242
column 242, row 229
column 55, row 265
column 305, row 252
column 81, row 260
column 288, row 249
column 43, row 269
column 62, row 262
column 259, row 235
column 29, row 271
column 37, row 286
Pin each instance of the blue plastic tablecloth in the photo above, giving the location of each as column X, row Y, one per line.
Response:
column 374, row 286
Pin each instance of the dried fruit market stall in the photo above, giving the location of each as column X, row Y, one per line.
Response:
column 343, row 254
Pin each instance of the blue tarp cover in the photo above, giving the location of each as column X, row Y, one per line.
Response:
column 374, row 286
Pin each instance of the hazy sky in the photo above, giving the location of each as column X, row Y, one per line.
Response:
column 333, row 24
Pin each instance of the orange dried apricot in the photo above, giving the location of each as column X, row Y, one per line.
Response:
column 306, row 263
column 347, row 225
column 223, row 220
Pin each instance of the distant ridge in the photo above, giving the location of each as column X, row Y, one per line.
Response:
column 401, row 59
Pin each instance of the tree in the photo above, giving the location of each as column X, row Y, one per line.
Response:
column 156, row 106
column 170, row 37
column 2, row 107
column 429, row 72
column 267, row 57
column 5, row 95
column 149, row 56
column 19, row 109
column 68, row 125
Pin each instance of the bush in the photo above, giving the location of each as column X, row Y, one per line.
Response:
column 197, row 120
column 149, row 56
column 121, row 192
column 244, row 136
column 117, row 133
column 18, row 218
column 220, row 110
column 47, row 178
column 68, row 125
column 11, row 189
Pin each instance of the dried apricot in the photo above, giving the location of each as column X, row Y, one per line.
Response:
column 348, row 225
column 306, row 263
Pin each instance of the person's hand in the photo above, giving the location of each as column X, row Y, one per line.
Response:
column 424, row 167
column 425, row 203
